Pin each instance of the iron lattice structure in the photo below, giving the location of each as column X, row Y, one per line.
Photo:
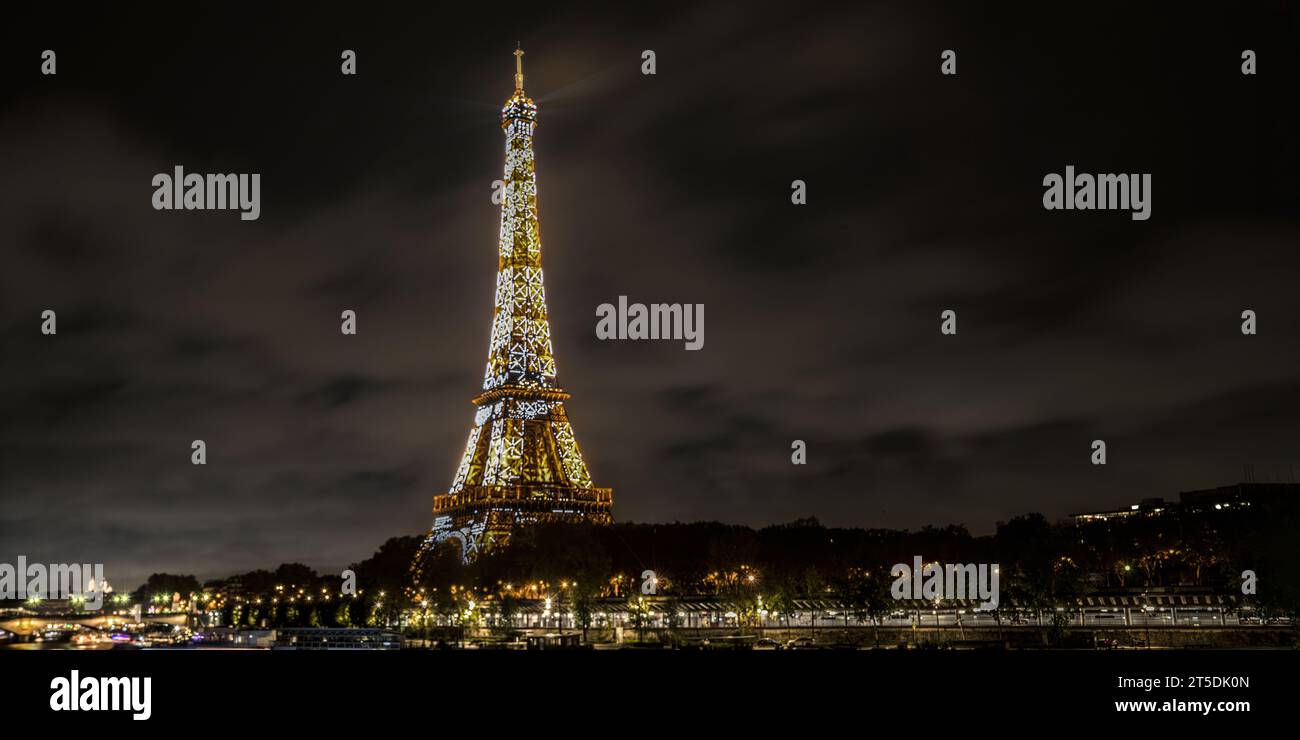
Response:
column 521, row 463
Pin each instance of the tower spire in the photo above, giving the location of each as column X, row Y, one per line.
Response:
column 519, row 68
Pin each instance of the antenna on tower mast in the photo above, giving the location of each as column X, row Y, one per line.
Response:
column 519, row 67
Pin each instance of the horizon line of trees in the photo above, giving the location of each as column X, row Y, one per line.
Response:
column 1042, row 564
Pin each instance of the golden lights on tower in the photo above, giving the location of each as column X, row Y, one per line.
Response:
column 521, row 463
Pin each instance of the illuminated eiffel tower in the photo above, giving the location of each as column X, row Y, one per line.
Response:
column 521, row 463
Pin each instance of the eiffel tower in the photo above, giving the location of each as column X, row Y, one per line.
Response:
column 522, row 463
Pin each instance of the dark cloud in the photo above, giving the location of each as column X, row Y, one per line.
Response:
column 342, row 390
column 821, row 320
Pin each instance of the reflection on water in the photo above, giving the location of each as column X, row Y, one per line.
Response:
column 52, row 646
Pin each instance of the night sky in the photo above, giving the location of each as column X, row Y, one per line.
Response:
column 822, row 321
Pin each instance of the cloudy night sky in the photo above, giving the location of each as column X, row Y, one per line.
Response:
column 821, row 321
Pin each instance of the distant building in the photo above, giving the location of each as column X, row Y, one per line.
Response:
column 1224, row 498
